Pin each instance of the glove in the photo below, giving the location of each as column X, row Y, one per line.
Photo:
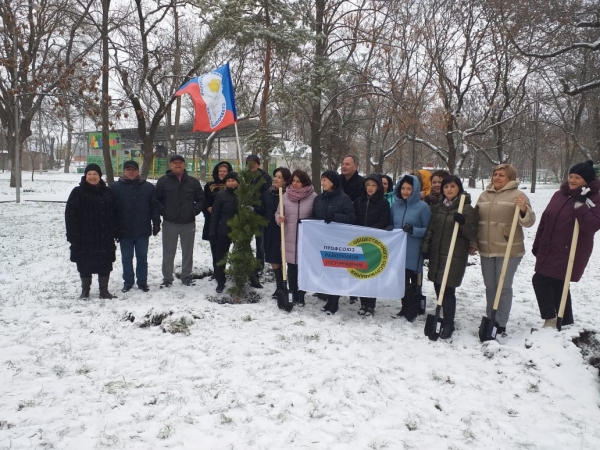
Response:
column 408, row 228
column 389, row 228
column 155, row 229
column 249, row 208
column 328, row 217
column 582, row 196
column 425, row 255
column 459, row 218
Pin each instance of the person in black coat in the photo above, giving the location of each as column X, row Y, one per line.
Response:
column 352, row 183
column 253, row 165
column 92, row 222
column 372, row 210
column 140, row 217
column 282, row 177
column 211, row 189
column 182, row 199
column 333, row 205
column 224, row 208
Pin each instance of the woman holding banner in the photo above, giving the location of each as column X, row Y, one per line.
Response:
column 282, row 177
column 411, row 214
column 577, row 199
column 496, row 208
column 332, row 205
column 297, row 205
column 437, row 242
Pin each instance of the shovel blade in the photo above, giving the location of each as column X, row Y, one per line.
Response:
column 433, row 326
column 487, row 329
column 423, row 306
column 282, row 297
column 289, row 302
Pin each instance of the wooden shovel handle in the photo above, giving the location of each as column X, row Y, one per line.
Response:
column 511, row 238
column 283, row 262
column 450, row 252
column 565, row 291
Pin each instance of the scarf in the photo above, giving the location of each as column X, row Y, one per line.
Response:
column 296, row 195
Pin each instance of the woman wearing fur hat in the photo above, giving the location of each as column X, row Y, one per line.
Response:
column 332, row 205
column 577, row 199
column 436, row 245
column 496, row 208
column 92, row 222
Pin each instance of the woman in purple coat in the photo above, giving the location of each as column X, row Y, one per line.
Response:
column 297, row 205
column 578, row 198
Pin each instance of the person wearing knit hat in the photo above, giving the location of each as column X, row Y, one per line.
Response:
column 333, row 205
column 140, row 218
column 253, row 158
column 94, row 167
column 232, row 175
column 578, row 199
column 92, row 223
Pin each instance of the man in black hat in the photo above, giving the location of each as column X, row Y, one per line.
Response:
column 139, row 208
column 253, row 165
column 182, row 199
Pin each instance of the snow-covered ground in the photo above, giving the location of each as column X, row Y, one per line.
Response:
column 80, row 374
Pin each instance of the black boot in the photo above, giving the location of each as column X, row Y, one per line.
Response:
column 363, row 307
column 402, row 312
column 300, row 298
column 103, row 284
column 328, row 304
column 278, row 280
column 334, row 299
column 447, row 330
column 255, row 282
column 86, row 284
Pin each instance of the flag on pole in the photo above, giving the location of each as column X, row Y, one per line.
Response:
column 342, row 259
column 214, row 100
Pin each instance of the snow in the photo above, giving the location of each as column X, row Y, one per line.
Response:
column 77, row 374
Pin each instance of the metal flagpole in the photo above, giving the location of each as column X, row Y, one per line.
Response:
column 237, row 137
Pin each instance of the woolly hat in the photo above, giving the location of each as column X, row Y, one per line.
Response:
column 332, row 176
column 177, row 158
column 131, row 163
column 585, row 170
column 253, row 158
column 94, row 167
column 231, row 175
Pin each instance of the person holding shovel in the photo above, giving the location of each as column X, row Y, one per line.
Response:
column 437, row 242
column 412, row 215
column 496, row 209
column 297, row 205
column 577, row 199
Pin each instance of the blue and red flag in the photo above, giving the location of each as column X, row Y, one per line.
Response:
column 214, row 100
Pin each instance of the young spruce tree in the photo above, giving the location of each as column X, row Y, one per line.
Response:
column 244, row 226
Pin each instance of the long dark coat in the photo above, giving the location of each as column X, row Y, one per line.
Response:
column 272, row 232
column 373, row 211
column 92, row 222
column 552, row 242
column 211, row 189
column 438, row 237
column 224, row 209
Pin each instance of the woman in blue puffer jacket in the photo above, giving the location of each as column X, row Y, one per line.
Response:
column 411, row 215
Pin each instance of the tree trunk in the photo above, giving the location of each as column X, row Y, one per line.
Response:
column 315, row 123
column 106, row 96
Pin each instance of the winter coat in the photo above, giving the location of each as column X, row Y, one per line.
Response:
column 415, row 212
column 373, row 211
column 92, row 222
column 496, row 210
column 426, row 177
column 181, row 201
column 138, row 206
column 272, row 232
column 439, row 236
column 211, row 189
column 224, row 209
column 334, row 202
column 294, row 212
column 354, row 187
column 432, row 199
column 389, row 197
column 263, row 189
column 552, row 242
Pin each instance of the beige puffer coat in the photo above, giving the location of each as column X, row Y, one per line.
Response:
column 496, row 210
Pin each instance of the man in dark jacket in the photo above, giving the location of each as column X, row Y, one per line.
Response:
column 253, row 165
column 352, row 184
column 181, row 199
column 139, row 208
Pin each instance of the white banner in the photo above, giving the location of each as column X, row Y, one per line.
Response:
column 342, row 259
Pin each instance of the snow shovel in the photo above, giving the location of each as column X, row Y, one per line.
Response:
column 433, row 323
column 488, row 326
column 285, row 298
column 565, row 292
column 420, row 297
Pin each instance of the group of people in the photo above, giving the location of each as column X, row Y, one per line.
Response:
column 425, row 206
